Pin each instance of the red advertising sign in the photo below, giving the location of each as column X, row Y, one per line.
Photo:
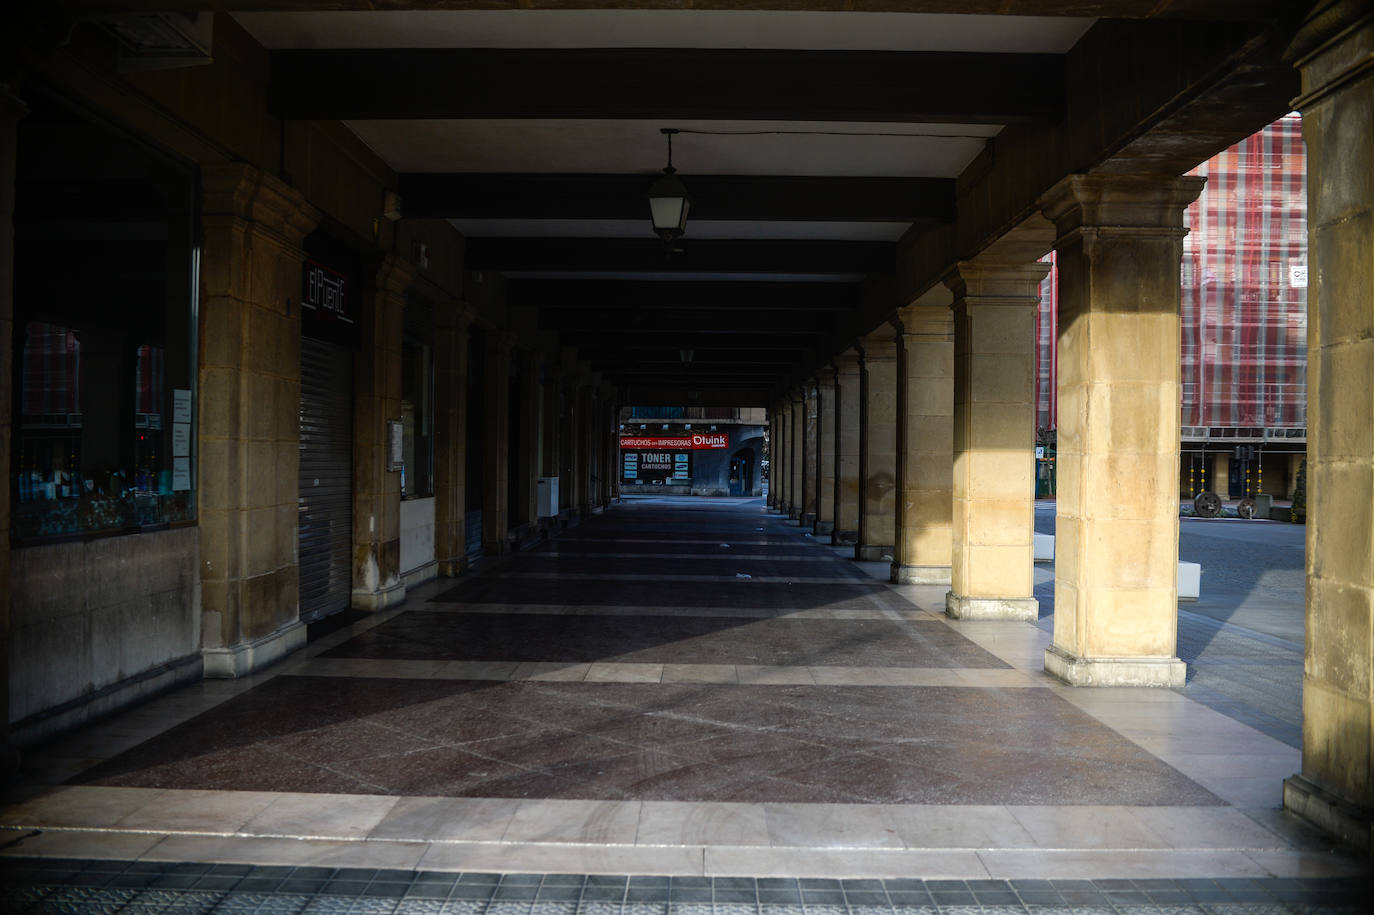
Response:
column 704, row 441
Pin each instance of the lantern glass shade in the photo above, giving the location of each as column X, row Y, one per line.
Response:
column 668, row 206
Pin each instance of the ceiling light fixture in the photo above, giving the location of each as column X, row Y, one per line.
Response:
column 668, row 200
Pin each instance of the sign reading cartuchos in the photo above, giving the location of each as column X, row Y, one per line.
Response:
column 702, row 442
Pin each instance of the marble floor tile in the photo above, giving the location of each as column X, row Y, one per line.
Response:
column 60, row 843
column 788, row 862
column 1246, row 792
column 545, row 670
column 198, row 811
column 295, row 852
column 573, row 859
column 308, row 815
column 933, row 826
column 754, row 674
column 1207, row 827
column 446, row 819
column 81, row 806
column 1086, row 827
column 609, row 672
column 830, row 826
column 679, row 823
column 1055, row 864
column 573, row 821
column 699, row 673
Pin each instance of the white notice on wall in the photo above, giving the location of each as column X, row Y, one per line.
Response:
column 1297, row 276
column 181, row 439
column 181, row 474
column 181, row 405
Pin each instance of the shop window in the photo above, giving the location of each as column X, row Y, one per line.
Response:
column 417, row 421
column 104, row 277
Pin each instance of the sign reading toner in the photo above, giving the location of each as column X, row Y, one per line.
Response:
column 695, row 442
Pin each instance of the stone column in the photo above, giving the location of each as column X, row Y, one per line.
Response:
column 496, row 442
column 252, row 227
column 796, row 450
column 782, row 474
column 878, row 445
column 825, row 451
column 1336, row 786
column 848, row 413
column 992, row 548
column 553, row 423
column 572, row 448
column 450, row 437
column 586, row 408
column 925, row 445
column 772, row 457
column 12, row 111
column 810, row 452
column 377, row 582
column 610, row 449
column 527, row 441
column 1119, row 241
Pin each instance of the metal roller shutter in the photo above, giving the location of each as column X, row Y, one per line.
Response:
column 326, row 478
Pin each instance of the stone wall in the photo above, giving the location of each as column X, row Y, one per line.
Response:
column 97, row 623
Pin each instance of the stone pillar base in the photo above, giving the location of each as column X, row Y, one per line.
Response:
column 1309, row 801
column 868, row 552
column 241, row 660
column 1076, row 671
column 452, row 568
column 373, row 601
column 843, row 538
column 991, row 608
column 808, row 519
column 794, row 514
column 823, row 527
column 920, row 575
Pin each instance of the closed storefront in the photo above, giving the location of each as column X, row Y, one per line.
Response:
column 326, row 449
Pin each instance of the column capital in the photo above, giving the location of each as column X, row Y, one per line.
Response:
column 393, row 275
column 1332, row 48
column 925, row 321
column 825, row 375
column 796, row 395
column 240, row 191
column 994, row 283
column 847, row 362
column 879, row 344
column 1120, row 204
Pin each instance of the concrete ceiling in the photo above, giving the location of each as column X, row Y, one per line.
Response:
column 812, row 141
column 663, row 28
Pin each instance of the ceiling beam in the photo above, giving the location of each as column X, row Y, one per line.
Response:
column 657, row 355
column 680, row 322
column 721, row 197
column 648, row 255
column 668, row 84
column 629, row 340
column 552, row 295
column 1119, row 9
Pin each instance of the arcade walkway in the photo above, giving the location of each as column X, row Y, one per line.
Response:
column 684, row 688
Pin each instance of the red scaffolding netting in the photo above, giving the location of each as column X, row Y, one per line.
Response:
column 1243, row 291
